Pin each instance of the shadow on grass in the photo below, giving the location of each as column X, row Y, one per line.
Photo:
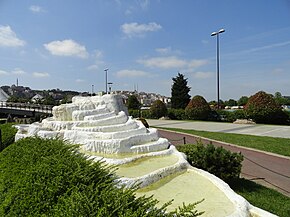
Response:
column 262, row 197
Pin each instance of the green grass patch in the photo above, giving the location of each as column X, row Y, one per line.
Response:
column 264, row 143
column 262, row 197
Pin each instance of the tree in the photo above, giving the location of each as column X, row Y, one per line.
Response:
column 197, row 108
column 263, row 108
column 179, row 92
column 133, row 103
column 243, row 101
column 231, row 102
column 280, row 99
column 158, row 109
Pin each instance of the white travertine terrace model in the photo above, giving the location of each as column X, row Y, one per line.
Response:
column 101, row 125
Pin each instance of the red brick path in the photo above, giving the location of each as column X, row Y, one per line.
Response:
column 265, row 168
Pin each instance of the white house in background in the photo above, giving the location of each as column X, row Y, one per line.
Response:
column 3, row 95
column 37, row 98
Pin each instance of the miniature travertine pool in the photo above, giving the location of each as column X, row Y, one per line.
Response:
column 105, row 131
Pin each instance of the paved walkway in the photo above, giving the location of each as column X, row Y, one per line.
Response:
column 264, row 168
column 250, row 129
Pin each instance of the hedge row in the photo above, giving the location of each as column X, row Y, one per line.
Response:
column 50, row 178
column 8, row 135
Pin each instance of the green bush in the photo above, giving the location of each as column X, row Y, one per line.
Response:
column 197, row 109
column 146, row 114
column 263, row 108
column 176, row 114
column 50, row 178
column 135, row 113
column 231, row 116
column 218, row 161
column 8, row 135
column 158, row 109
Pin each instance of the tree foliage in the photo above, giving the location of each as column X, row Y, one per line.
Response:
column 231, row 102
column 197, row 108
column 133, row 102
column 263, row 108
column 179, row 92
column 243, row 101
column 158, row 109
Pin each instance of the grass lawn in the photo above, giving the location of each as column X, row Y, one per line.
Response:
column 258, row 195
column 262, row 197
column 270, row 144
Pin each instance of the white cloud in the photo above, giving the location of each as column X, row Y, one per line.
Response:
column 93, row 67
column 3, row 72
column 98, row 54
column 80, row 80
column 164, row 50
column 40, row 74
column 66, row 48
column 163, row 62
column 203, row 75
column 128, row 11
column 36, row 9
column 196, row 63
column 8, row 38
column 132, row 73
column 144, row 4
column 98, row 60
column 171, row 62
column 139, row 30
column 18, row 71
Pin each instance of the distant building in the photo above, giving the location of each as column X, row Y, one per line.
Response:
column 37, row 98
column 3, row 95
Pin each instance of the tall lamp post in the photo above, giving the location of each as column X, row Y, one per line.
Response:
column 106, row 70
column 218, row 63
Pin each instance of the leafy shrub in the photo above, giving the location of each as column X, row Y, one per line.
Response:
column 146, row 114
column 231, row 116
column 176, row 114
column 218, row 161
column 262, row 108
column 50, row 178
column 8, row 135
column 197, row 108
column 135, row 113
column 158, row 109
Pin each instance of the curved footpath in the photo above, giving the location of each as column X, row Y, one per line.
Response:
column 265, row 168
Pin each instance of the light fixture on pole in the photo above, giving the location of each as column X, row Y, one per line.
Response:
column 92, row 89
column 218, row 64
column 110, row 87
column 106, row 70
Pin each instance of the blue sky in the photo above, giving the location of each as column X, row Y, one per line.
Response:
column 67, row 44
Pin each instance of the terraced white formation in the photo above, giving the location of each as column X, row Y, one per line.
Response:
column 102, row 126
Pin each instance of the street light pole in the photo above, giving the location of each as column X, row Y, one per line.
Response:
column 218, row 64
column 106, row 70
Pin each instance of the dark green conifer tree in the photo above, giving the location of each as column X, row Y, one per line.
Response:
column 179, row 92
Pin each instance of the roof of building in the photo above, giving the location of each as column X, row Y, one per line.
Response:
column 3, row 95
